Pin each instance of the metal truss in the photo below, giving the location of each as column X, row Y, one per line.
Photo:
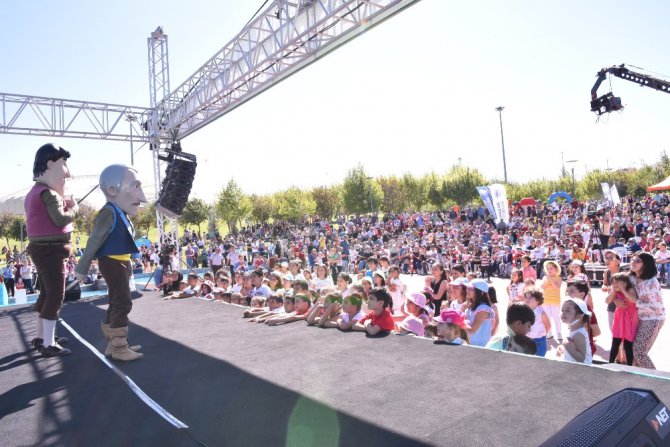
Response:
column 37, row 115
column 160, row 138
column 283, row 39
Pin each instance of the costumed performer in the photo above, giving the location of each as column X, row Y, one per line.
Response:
column 49, row 216
column 112, row 243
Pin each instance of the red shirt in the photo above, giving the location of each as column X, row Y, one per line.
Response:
column 384, row 321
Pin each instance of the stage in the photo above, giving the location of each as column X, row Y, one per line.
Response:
column 235, row 383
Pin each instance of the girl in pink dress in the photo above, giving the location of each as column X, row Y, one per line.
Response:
column 624, row 327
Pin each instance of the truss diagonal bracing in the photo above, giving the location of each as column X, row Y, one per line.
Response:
column 281, row 40
column 36, row 115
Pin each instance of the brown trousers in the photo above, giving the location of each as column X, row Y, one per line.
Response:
column 117, row 274
column 49, row 259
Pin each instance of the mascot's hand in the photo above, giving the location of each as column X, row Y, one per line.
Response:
column 71, row 204
column 80, row 276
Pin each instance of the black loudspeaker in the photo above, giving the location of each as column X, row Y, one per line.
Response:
column 631, row 417
column 177, row 184
column 74, row 292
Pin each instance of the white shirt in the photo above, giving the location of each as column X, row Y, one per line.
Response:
column 359, row 316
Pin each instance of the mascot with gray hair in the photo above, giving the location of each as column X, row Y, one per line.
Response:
column 112, row 243
column 49, row 216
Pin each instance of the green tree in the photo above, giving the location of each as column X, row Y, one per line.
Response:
column 293, row 204
column 395, row 198
column 17, row 229
column 435, row 192
column 195, row 212
column 145, row 219
column 232, row 205
column 461, row 184
column 85, row 218
column 262, row 208
column 6, row 220
column 415, row 191
column 327, row 199
column 360, row 193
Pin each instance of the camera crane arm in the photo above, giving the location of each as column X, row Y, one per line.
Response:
column 608, row 102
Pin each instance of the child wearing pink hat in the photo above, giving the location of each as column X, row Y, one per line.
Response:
column 411, row 325
column 451, row 327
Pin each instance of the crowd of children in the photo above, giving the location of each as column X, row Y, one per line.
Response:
column 454, row 307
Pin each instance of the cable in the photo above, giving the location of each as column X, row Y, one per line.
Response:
column 649, row 71
column 255, row 14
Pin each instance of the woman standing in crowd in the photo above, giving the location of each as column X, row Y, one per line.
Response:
column 650, row 309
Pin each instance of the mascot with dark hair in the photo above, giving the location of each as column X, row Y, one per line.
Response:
column 49, row 216
column 112, row 243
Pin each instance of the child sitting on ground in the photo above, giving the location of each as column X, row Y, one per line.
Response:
column 411, row 325
column 542, row 326
column 278, row 306
column 379, row 318
column 520, row 318
column 190, row 291
column 451, row 327
column 206, row 291
column 302, row 305
column 351, row 312
column 579, row 289
column 325, row 314
column 576, row 347
column 274, row 304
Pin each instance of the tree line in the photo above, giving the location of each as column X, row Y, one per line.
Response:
column 360, row 194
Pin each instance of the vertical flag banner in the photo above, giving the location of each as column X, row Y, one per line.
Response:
column 485, row 194
column 499, row 196
column 614, row 194
column 606, row 191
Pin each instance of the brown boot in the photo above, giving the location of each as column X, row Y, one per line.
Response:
column 118, row 339
column 108, row 349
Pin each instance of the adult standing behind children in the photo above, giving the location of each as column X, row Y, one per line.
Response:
column 49, row 216
column 650, row 309
column 112, row 243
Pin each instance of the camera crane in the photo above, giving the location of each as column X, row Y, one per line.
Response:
column 608, row 102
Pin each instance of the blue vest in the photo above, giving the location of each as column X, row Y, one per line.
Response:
column 120, row 241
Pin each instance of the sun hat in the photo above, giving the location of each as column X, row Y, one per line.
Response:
column 462, row 281
column 419, row 299
column 479, row 284
column 412, row 324
column 451, row 316
column 581, row 304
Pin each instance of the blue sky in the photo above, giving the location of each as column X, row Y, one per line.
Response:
column 414, row 94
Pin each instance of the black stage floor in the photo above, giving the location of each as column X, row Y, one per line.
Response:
column 235, row 383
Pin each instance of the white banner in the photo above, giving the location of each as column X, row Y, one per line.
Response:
column 485, row 194
column 606, row 191
column 614, row 195
column 499, row 196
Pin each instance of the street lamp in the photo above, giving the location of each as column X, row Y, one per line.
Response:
column 572, row 162
column 370, row 191
column 499, row 109
column 131, row 119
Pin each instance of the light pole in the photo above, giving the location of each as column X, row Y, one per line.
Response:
column 572, row 162
column 131, row 119
column 502, row 140
column 370, row 191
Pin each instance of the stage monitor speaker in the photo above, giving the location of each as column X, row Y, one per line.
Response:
column 631, row 417
column 177, row 184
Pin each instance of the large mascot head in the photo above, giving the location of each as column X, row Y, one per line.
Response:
column 50, row 167
column 121, row 186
